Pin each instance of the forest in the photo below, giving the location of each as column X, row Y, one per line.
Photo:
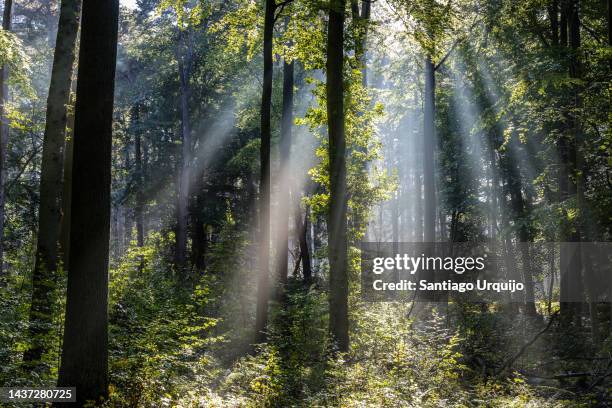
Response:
column 191, row 192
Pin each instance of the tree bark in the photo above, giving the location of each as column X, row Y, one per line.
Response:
column 4, row 129
column 84, row 362
column 44, row 276
column 337, row 223
column 261, row 318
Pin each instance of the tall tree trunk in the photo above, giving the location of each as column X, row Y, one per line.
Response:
column 127, row 211
column 182, row 212
column 261, row 318
column 4, row 129
column 337, row 223
column 428, row 152
column 284, row 178
column 44, row 276
column 365, row 18
column 84, row 362
column 67, row 185
column 139, row 179
column 571, row 284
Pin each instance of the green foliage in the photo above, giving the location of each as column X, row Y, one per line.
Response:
column 160, row 338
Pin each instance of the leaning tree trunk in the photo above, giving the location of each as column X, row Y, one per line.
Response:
column 44, row 276
column 84, row 362
column 261, row 318
column 337, row 223
column 4, row 129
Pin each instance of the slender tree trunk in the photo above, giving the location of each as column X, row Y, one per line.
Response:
column 337, row 224
column 127, row 211
column 84, row 362
column 261, row 318
column 67, row 185
column 44, row 276
column 563, row 23
column 182, row 213
column 4, row 129
column 284, row 177
column 365, row 18
column 571, row 284
column 428, row 152
column 553, row 16
column 139, row 207
column 303, row 229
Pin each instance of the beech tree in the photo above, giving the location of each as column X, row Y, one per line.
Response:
column 84, row 363
column 44, row 276
column 337, row 223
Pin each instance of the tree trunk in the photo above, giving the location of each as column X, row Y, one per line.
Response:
column 261, row 318
column 139, row 207
column 182, row 213
column 284, row 171
column 67, row 185
column 44, row 276
column 4, row 129
column 365, row 18
column 428, row 152
column 84, row 362
column 571, row 284
column 337, row 224
column 303, row 229
column 553, row 16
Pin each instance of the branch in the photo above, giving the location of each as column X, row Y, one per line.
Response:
column 607, row 373
column 297, row 264
column 457, row 41
column 526, row 346
column 280, row 6
column 10, row 185
column 591, row 31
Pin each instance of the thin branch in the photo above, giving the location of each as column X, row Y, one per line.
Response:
column 591, row 31
column 10, row 185
column 512, row 359
column 452, row 48
column 280, row 6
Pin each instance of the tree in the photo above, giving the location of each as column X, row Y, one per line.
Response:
column 285, row 151
column 84, row 362
column 4, row 75
column 337, row 223
column 184, row 58
column 261, row 318
column 51, row 182
column 429, row 135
